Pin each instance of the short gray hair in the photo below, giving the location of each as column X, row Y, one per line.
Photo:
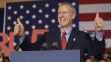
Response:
column 72, row 8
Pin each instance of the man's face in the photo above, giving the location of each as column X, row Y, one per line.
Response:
column 65, row 16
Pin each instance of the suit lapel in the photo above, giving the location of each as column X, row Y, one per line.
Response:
column 58, row 38
column 72, row 39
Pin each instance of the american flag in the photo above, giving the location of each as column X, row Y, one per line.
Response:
column 87, row 13
column 35, row 15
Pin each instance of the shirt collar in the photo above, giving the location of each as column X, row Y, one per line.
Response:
column 67, row 32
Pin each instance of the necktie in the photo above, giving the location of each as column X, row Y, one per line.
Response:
column 63, row 40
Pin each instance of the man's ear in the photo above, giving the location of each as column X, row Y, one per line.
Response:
column 73, row 16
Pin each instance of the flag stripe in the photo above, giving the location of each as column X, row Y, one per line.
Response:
column 108, row 42
column 93, row 8
column 94, row 1
column 90, row 26
column 84, row 17
column 107, row 33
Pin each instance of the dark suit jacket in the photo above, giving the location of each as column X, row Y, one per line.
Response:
column 98, row 47
column 50, row 37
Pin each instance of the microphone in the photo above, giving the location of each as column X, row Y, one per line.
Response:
column 44, row 46
column 54, row 46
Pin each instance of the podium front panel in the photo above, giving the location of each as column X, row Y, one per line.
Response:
column 46, row 56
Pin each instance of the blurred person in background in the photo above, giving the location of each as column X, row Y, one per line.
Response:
column 6, row 59
column 1, row 55
column 108, row 58
column 88, row 60
column 109, row 52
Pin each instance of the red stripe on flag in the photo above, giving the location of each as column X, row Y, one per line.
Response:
column 91, row 16
column 107, row 33
column 94, row 1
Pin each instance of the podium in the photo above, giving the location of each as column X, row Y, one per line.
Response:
column 46, row 56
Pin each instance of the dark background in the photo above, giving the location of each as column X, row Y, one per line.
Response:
column 1, row 19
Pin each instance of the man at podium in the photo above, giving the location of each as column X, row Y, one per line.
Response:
column 64, row 38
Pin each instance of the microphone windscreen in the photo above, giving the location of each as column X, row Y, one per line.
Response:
column 54, row 46
column 44, row 46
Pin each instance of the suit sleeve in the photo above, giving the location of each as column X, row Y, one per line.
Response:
column 88, row 45
column 28, row 46
column 98, row 47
